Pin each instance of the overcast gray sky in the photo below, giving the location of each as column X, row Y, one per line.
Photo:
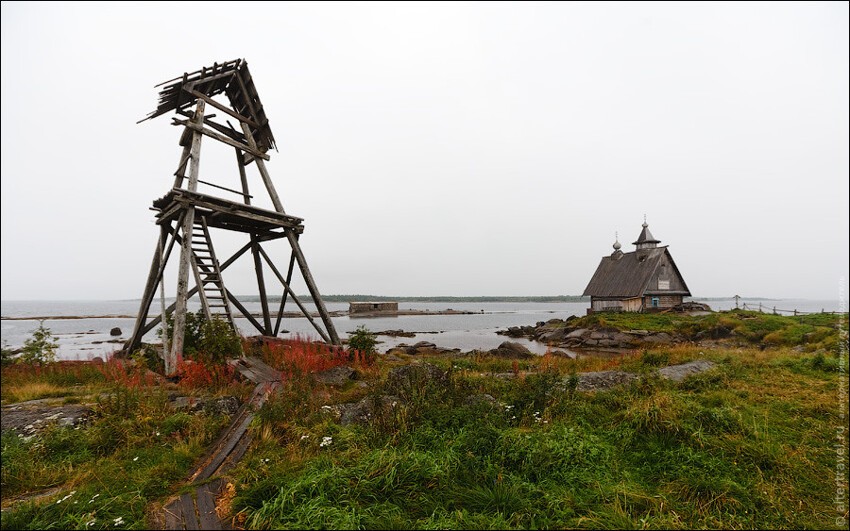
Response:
column 443, row 148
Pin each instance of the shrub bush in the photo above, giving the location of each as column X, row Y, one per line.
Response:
column 211, row 342
column 362, row 340
column 40, row 349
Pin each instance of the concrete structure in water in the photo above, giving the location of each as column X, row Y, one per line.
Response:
column 645, row 279
column 372, row 307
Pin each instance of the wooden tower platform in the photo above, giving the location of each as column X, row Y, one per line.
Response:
column 189, row 218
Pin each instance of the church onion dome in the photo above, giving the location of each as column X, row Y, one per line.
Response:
column 617, row 254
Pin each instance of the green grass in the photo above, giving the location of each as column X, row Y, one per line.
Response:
column 746, row 445
column 135, row 451
column 813, row 332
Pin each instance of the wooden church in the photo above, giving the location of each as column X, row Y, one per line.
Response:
column 645, row 279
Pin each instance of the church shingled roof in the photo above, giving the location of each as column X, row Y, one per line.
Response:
column 627, row 275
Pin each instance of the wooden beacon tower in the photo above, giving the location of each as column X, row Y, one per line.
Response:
column 188, row 217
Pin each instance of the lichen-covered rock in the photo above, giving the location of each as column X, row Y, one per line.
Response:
column 367, row 410
column 677, row 373
column 30, row 418
column 336, row 375
column 226, row 405
column 592, row 381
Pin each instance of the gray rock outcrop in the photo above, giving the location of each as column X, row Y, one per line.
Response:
column 336, row 375
column 513, row 350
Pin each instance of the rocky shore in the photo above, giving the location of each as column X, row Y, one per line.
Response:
column 560, row 333
column 507, row 349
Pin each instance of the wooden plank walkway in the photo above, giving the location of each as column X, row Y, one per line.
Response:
column 196, row 509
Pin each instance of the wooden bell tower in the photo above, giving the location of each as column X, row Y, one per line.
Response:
column 188, row 217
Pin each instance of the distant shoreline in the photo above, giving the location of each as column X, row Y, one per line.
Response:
column 338, row 313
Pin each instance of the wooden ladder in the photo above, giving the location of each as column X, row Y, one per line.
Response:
column 208, row 274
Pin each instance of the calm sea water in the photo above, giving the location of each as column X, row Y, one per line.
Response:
column 88, row 337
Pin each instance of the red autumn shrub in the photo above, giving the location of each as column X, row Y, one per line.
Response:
column 300, row 357
column 120, row 372
column 194, row 375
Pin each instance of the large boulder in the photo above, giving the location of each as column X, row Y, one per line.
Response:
column 115, row 331
column 577, row 333
column 513, row 350
column 552, row 336
column 658, row 338
column 513, row 331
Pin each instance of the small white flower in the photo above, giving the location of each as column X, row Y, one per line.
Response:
column 118, row 521
column 135, row 458
column 266, row 460
column 327, row 408
column 93, row 498
column 326, row 441
column 304, row 437
column 157, row 434
column 91, row 522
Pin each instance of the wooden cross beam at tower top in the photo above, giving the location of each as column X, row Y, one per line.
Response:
column 231, row 78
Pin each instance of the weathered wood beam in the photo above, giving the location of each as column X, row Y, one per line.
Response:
column 235, row 63
column 147, row 297
column 223, row 108
column 235, row 135
column 179, row 175
column 221, row 138
column 165, row 232
column 173, row 357
column 158, row 264
column 244, row 310
column 297, row 301
column 311, row 287
column 190, row 85
column 264, row 173
column 235, row 211
column 247, row 96
column 258, row 268
column 231, row 190
column 293, row 241
column 285, row 294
